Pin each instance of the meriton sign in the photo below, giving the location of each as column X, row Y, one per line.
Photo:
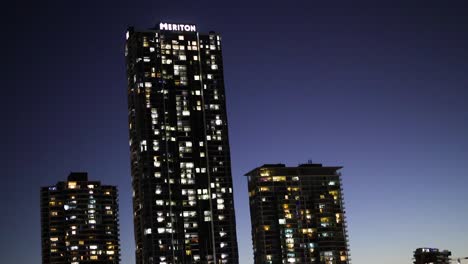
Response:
column 177, row 27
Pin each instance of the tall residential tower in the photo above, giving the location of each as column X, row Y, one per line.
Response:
column 297, row 214
column 79, row 222
column 180, row 158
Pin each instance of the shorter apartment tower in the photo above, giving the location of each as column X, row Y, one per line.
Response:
column 79, row 222
column 297, row 214
column 432, row 256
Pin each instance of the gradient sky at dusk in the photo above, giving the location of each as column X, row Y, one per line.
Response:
column 381, row 89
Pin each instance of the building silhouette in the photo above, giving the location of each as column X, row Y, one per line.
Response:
column 431, row 256
column 79, row 222
column 179, row 147
column 297, row 214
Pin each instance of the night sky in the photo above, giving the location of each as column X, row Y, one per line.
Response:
column 381, row 89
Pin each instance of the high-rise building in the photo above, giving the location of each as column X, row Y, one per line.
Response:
column 79, row 222
column 297, row 214
column 431, row 256
column 179, row 147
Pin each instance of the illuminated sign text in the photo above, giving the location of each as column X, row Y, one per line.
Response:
column 177, row 27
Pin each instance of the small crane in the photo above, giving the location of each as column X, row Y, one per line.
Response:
column 459, row 260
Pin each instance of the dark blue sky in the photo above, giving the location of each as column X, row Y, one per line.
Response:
column 380, row 89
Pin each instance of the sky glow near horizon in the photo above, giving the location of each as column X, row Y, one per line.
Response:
column 379, row 90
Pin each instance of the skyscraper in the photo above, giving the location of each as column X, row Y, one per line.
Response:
column 297, row 214
column 180, row 158
column 431, row 256
column 79, row 222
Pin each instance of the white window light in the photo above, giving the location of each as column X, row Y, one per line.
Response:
column 147, row 231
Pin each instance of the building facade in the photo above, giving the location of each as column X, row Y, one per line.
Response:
column 297, row 214
column 179, row 147
column 79, row 222
column 431, row 256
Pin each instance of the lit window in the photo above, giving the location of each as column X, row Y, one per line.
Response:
column 155, row 145
column 145, row 42
column 279, row 178
column 158, row 190
column 147, row 231
column 143, row 146
column 338, row 218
